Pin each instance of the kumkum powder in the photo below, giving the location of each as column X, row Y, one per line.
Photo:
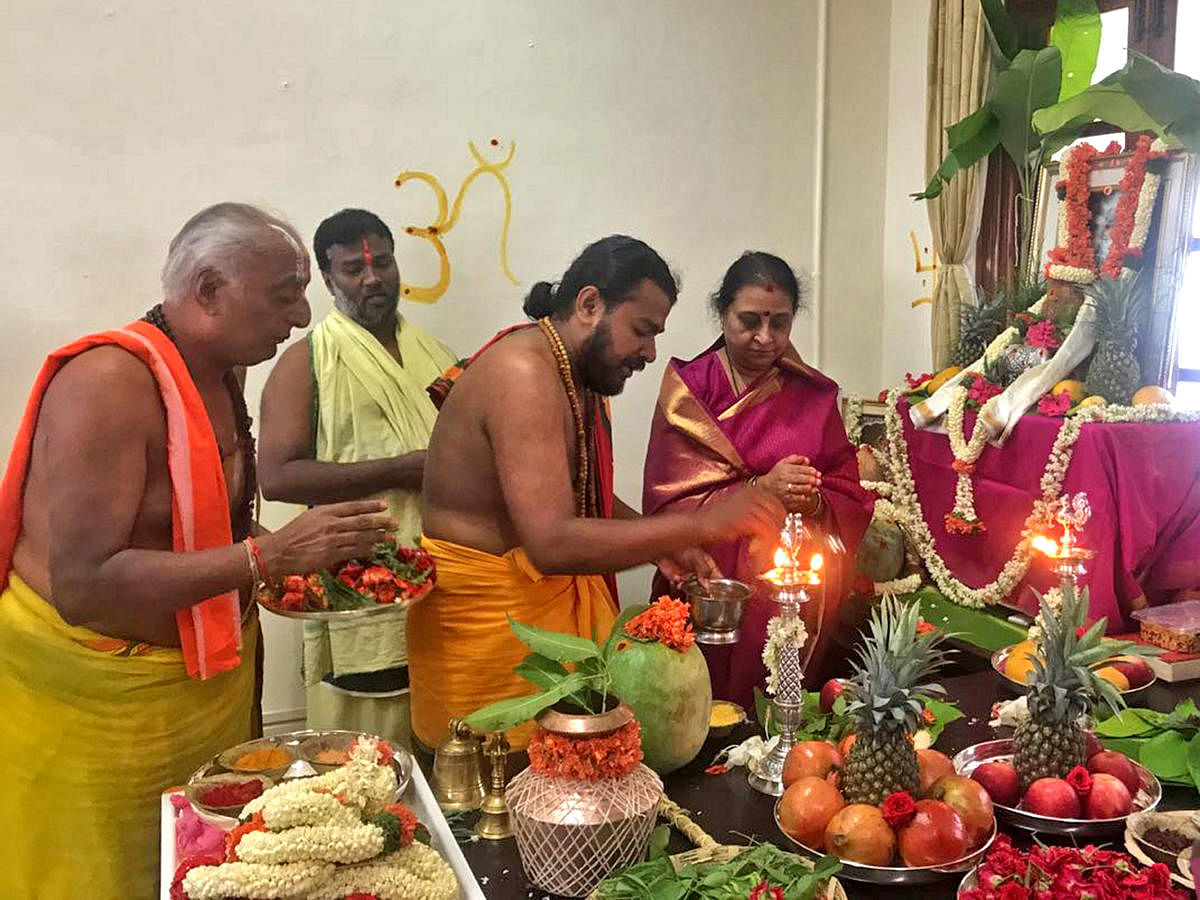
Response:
column 230, row 794
column 332, row 757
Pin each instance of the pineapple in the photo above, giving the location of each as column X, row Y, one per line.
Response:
column 1114, row 373
column 979, row 323
column 1063, row 686
column 887, row 695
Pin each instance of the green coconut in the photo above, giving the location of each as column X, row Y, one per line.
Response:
column 670, row 694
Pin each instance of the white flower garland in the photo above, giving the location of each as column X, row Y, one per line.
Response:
column 899, row 585
column 417, row 872
column 240, row 879
column 779, row 635
column 966, row 454
column 853, row 418
column 312, row 843
column 314, row 823
column 908, row 505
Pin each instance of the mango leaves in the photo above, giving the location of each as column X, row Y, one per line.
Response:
column 562, row 666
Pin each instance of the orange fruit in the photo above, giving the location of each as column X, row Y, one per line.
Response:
column 1151, row 394
column 1115, row 677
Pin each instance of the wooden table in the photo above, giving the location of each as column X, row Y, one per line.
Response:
column 727, row 808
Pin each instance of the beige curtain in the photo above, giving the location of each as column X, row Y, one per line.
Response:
column 955, row 88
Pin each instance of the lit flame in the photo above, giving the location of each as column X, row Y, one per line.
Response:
column 1045, row 545
column 817, row 562
column 782, row 559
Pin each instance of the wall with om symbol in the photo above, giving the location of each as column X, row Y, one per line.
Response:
column 685, row 122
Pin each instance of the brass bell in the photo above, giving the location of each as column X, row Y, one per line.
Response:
column 458, row 769
column 493, row 814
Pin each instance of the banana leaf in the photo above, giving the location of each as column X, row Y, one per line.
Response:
column 1031, row 83
column 1143, row 96
column 1002, row 32
column 1076, row 33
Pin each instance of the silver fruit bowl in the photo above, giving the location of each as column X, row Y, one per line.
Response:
column 1148, row 796
column 898, row 875
column 717, row 608
column 1000, row 657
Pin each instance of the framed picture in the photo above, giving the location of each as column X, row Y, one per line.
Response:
column 1166, row 248
column 863, row 419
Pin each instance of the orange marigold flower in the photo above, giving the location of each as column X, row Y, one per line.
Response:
column 407, row 819
column 666, row 621
column 233, row 837
column 612, row 755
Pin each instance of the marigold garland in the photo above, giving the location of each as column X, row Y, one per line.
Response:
column 612, row 755
column 665, row 621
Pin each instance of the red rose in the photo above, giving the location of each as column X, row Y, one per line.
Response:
column 1081, row 780
column 764, row 891
column 1010, row 890
column 898, row 808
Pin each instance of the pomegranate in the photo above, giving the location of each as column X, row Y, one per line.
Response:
column 815, row 758
column 1110, row 762
column 806, row 808
column 1135, row 669
column 934, row 836
column 831, row 690
column 1000, row 780
column 1052, row 797
column 859, row 833
column 1092, row 744
column 1108, row 798
column 931, row 766
column 971, row 801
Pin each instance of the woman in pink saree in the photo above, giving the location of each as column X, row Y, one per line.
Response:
column 749, row 411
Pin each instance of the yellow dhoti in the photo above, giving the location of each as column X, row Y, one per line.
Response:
column 461, row 652
column 92, row 731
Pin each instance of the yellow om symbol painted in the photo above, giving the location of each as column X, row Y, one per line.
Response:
column 448, row 216
column 921, row 267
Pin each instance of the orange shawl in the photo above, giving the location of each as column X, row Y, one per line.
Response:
column 210, row 631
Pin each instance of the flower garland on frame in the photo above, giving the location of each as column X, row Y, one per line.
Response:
column 908, row 505
column 1073, row 259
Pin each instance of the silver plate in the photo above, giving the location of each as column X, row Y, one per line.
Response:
column 1148, row 796
column 898, row 875
column 346, row 615
column 969, row 881
column 1001, row 656
column 402, row 762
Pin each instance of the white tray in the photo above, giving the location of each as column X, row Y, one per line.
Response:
column 418, row 796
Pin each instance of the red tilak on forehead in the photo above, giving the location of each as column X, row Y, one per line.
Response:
column 368, row 257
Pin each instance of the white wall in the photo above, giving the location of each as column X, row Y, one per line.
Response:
column 906, row 338
column 688, row 123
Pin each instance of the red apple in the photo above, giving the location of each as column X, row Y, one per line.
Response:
column 1108, row 798
column 1000, row 780
column 831, row 691
column 1135, row 669
column 971, row 801
column 1052, row 797
column 1110, row 762
column 935, row 835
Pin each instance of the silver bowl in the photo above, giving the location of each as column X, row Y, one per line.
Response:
column 1148, row 796
column 969, row 881
column 717, row 608
column 898, row 875
column 1000, row 657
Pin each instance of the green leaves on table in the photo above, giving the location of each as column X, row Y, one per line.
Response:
column 836, row 724
column 1168, row 744
column 657, row 879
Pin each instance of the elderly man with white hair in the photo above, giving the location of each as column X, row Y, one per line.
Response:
column 127, row 626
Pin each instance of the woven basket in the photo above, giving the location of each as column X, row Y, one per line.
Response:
column 709, row 853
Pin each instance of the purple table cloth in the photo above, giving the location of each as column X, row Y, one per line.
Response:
column 1143, row 483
